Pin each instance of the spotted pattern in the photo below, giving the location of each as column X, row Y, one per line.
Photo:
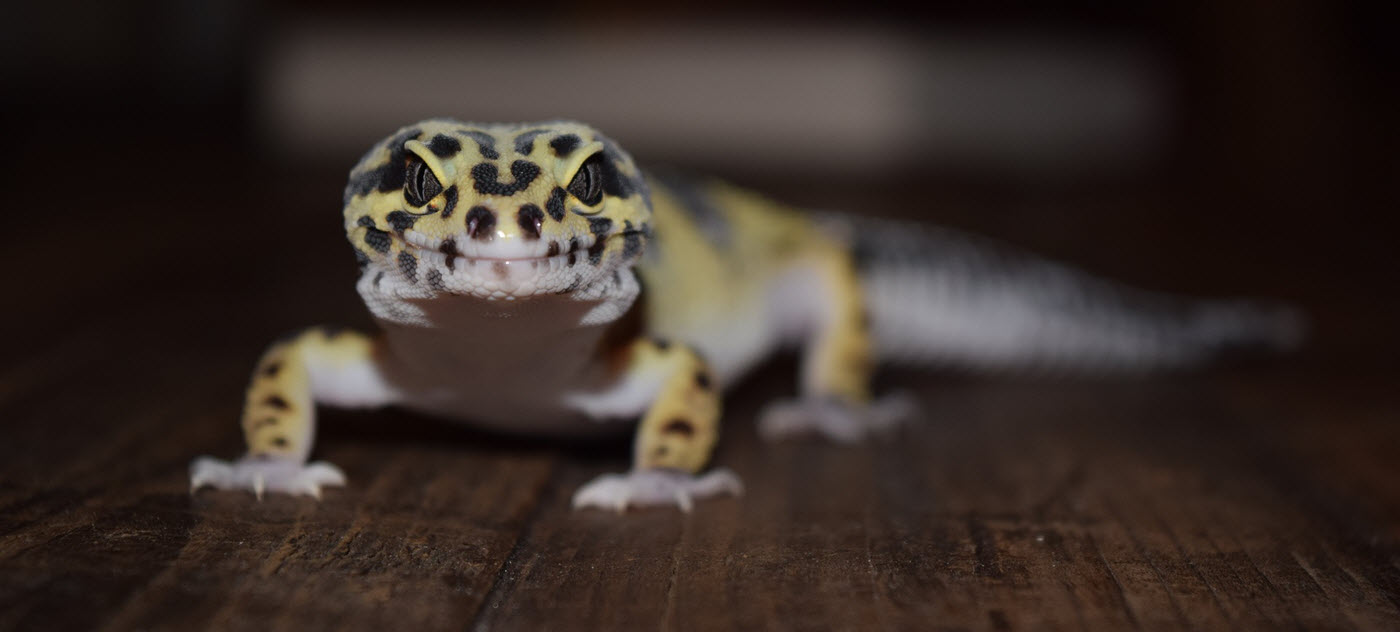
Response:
column 525, row 141
column 565, row 145
column 631, row 240
column 450, row 201
column 600, row 227
column 374, row 238
column 276, row 401
column 485, row 174
column 516, row 166
column 555, row 204
column 401, row 221
column 408, row 265
column 679, row 426
column 387, row 176
column 444, row 146
column 484, row 143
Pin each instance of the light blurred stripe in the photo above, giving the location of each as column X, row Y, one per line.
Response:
column 827, row 98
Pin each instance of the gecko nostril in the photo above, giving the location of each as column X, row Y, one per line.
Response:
column 480, row 223
column 531, row 219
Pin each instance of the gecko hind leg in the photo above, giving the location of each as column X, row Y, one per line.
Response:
column 836, row 363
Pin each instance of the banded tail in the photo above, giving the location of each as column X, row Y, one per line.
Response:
column 944, row 298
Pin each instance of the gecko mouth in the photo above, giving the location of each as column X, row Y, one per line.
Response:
column 440, row 266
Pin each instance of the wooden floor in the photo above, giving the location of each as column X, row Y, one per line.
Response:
column 1261, row 497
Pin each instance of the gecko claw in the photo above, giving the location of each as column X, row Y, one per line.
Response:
column 263, row 475
column 835, row 420
column 641, row 488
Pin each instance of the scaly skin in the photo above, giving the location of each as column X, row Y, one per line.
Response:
column 529, row 278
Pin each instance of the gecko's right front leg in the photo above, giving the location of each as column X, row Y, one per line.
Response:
column 317, row 366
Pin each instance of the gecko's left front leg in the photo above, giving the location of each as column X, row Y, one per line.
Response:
column 318, row 366
column 678, row 430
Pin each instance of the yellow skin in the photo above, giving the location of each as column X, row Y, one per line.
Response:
column 451, row 220
column 530, row 279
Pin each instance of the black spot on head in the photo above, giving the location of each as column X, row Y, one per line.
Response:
column 377, row 239
column 280, row 442
column 565, row 145
column 531, row 219
column 408, row 265
column 661, row 344
column 484, row 178
column 660, row 452
column 272, row 369
column 555, row 203
column 435, row 280
column 595, row 252
column 702, row 379
column 387, row 176
column 600, row 227
column 481, row 223
column 451, row 203
column 444, row 146
column 365, row 221
column 276, row 401
column 679, row 426
column 525, row 141
column 485, row 142
column 401, row 221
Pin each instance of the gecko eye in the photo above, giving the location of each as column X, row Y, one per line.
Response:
column 587, row 184
column 419, row 183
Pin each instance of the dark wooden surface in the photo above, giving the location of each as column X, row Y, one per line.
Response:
column 1259, row 497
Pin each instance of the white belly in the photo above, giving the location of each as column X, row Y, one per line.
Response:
column 504, row 365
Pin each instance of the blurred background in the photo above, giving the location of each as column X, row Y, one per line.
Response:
column 1208, row 148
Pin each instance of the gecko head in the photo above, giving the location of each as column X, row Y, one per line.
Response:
column 497, row 211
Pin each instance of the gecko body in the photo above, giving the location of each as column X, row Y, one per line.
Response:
column 530, row 278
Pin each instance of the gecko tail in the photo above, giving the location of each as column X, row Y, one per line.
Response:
column 937, row 297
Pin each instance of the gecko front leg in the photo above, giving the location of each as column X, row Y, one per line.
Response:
column 677, row 433
column 317, row 366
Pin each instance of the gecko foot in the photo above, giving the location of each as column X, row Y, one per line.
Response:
column 655, row 487
column 261, row 474
column 836, row 420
